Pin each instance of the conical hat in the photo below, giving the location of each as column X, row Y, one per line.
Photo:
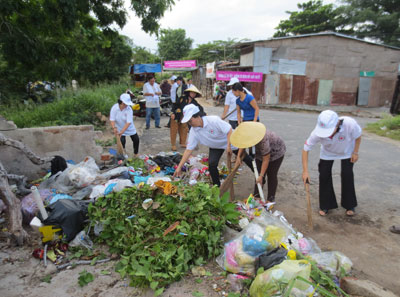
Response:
column 193, row 89
column 248, row 134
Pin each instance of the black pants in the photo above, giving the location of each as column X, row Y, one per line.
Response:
column 135, row 140
column 213, row 160
column 327, row 198
column 272, row 174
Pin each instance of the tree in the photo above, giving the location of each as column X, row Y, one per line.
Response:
column 142, row 55
column 375, row 19
column 216, row 50
column 173, row 44
column 41, row 39
column 314, row 17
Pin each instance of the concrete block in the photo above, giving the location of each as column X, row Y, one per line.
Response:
column 6, row 125
column 365, row 288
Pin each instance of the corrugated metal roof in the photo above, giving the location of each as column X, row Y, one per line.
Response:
column 317, row 34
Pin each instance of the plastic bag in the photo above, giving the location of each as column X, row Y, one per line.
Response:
column 84, row 173
column 271, row 258
column 305, row 245
column 81, row 239
column 69, row 215
column 85, row 192
column 331, row 262
column 113, row 185
column 114, row 172
column 58, row 197
column 60, row 182
column 274, row 281
column 28, row 205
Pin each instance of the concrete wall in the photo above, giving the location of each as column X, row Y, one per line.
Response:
column 70, row 142
column 339, row 60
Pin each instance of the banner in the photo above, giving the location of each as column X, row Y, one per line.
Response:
column 242, row 76
column 180, row 64
column 210, row 70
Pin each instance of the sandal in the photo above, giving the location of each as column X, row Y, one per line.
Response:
column 323, row 212
column 395, row 229
column 350, row 212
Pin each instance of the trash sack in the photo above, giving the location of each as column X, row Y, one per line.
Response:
column 275, row 280
column 236, row 282
column 81, row 239
column 58, row 164
column 81, row 194
column 60, row 182
column 28, row 205
column 113, row 185
column 114, row 172
column 84, row 173
column 58, row 197
column 70, row 215
column 305, row 245
column 271, row 258
column 332, row 262
column 240, row 254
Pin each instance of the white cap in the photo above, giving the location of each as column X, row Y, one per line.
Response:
column 327, row 121
column 125, row 98
column 173, row 77
column 188, row 111
column 233, row 81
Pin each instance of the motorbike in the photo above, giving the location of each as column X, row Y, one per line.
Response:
column 139, row 104
column 165, row 105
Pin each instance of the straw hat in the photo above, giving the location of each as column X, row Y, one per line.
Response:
column 248, row 134
column 195, row 90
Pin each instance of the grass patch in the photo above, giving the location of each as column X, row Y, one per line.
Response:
column 389, row 126
column 73, row 108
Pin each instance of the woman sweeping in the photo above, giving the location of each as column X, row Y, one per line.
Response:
column 247, row 103
column 270, row 150
column 121, row 118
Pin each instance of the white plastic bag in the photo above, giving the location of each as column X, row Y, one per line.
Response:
column 84, row 173
column 114, row 172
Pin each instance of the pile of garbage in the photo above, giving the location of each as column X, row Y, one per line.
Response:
column 161, row 227
column 282, row 261
column 158, row 227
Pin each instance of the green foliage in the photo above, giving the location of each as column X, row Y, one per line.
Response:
column 46, row 279
column 173, row 44
column 389, row 126
column 375, row 19
column 141, row 55
column 148, row 257
column 313, row 17
column 85, row 278
column 65, row 40
column 216, row 50
column 74, row 108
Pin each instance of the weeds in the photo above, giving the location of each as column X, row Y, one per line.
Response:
column 389, row 126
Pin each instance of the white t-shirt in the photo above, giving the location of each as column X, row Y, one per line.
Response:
column 173, row 92
column 341, row 146
column 230, row 100
column 121, row 117
column 190, row 85
column 152, row 101
column 213, row 133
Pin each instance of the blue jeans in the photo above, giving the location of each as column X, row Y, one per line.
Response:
column 156, row 112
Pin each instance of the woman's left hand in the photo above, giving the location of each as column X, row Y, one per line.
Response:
column 229, row 150
column 354, row 158
column 259, row 180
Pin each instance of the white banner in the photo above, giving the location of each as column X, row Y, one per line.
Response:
column 210, row 73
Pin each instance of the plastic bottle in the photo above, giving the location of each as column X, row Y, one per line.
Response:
column 39, row 202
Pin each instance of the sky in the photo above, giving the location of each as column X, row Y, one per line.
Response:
column 208, row 20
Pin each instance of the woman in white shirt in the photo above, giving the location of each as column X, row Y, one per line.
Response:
column 121, row 118
column 340, row 139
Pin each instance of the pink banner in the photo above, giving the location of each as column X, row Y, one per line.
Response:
column 180, row 64
column 242, row 76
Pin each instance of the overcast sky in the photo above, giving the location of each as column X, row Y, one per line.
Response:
column 208, row 20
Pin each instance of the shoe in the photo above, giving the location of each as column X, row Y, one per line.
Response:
column 158, row 127
column 126, row 156
column 323, row 212
column 395, row 229
column 173, row 148
column 183, row 145
column 167, row 126
column 350, row 212
column 147, row 128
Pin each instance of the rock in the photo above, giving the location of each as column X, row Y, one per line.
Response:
column 365, row 288
column 198, row 271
